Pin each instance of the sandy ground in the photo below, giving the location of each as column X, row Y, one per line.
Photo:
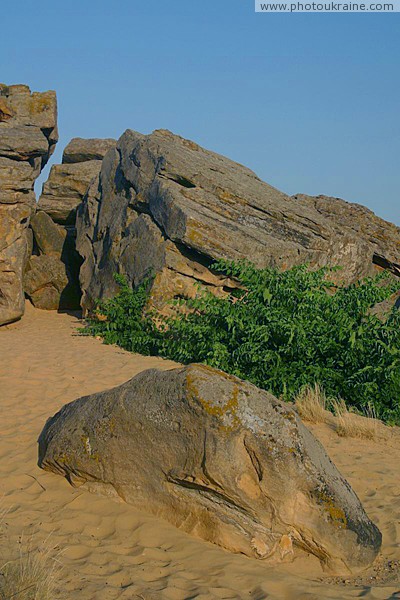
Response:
column 109, row 549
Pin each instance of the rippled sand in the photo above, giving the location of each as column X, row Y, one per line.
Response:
column 109, row 549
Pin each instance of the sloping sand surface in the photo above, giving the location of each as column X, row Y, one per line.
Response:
column 109, row 549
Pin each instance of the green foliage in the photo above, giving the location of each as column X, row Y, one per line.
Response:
column 281, row 331
column 125, row 320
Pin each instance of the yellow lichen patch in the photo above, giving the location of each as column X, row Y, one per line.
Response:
column 230, row 198
column 190, row 144
column 226, row 413
column 40, row 103
column 62, row 458
column 289, row 415
column 198, row 238
column 212, row 371
column 5, row 111
column 335, row 513
column 106, row 425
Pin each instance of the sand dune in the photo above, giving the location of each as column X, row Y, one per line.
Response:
column 109, row 549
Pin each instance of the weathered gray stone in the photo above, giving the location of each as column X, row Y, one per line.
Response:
column 28, row 134
column 20, row 142
column 15, row 176
column 65, row 189
column 371, row 235
column 181, row 207
column 49, row 237
column 218, row 458
column 53, row 284
column 48, row 284
column 80, row 150
column 62, row 193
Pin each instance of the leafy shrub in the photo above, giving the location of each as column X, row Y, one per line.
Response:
column 282, row 331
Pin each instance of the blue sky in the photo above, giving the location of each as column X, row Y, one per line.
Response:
column 309, row 101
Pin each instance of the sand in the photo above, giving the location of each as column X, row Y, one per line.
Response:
column 110, row 550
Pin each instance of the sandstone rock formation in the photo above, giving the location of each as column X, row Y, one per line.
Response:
column 28, row 134
column 86, row 149
column 218, row 458
column 67, row 183
column 370, row 233
column 52, row 275
column 164, row 205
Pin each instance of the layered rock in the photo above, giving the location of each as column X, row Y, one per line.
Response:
column 218, row 458
column 67, row 183
column 52, row 277
column 162, row 204
column 370, row 233
column 87, row 149
column 28, row 134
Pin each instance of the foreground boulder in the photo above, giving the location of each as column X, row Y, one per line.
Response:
column 218, row 458
column 28, row 134
column 165, row 205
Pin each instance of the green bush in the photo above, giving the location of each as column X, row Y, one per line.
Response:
column 283, row 330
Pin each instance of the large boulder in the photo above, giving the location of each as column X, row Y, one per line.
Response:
column 47, row 284
column 218, row 458
column 50, row 238
column 28, row 134
column 163, row 204
column 67, row 183
column 86, row 149
column 51, row 279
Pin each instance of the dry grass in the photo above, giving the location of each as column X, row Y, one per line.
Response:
column 311, row 403
column 33, row 573
column 352, row 424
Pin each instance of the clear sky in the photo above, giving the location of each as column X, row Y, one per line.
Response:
column 311, row 102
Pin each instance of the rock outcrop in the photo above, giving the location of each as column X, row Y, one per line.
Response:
column 52, row 275
column 162, row 204
column 28, row 134
column 67, row 183
column 369, row 232
column 218, row 458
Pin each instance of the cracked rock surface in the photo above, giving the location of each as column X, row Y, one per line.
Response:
column 218, row 458
column 52, row 275
column 28, row 134
column 68, row 182
column 52, row 272
column 165, row 205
